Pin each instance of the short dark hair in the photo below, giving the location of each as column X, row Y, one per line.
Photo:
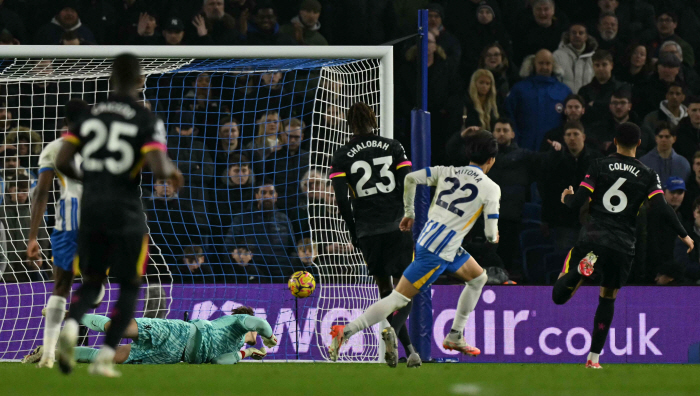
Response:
column 574, row 125
column 75, row 108
column 696, row 203
column 692, row 100
column 237, row 159
column 193, row 253
column 576, row 97
column 481, row 147
column 623, row 93
column 664, row 126
column 243, row 310
column 126, row 71
column 628, row 135
column 20, row 182
column 670, row 13
column 605, row 15
column 678, row 84
column 602, row 55
column 504, row 120
column 696, row 156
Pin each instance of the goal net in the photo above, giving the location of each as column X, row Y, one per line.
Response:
column 254, row 137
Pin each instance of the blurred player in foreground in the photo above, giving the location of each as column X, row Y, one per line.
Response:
column 170, row 341
column 64, row 239
column 462, row 195
column 116, row 139
column 374, row 169
column 616, row 187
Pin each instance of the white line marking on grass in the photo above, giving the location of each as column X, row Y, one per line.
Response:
column 465, row 389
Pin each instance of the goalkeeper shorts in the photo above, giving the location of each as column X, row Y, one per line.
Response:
column 428, row 266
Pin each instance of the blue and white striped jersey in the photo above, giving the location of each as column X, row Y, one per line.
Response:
column 461, row 196
column 68, row 206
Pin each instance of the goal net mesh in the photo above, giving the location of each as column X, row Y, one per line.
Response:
column 254, row 139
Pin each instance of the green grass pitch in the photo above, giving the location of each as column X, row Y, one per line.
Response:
column 357, row 379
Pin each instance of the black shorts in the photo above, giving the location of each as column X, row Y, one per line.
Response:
column 387, row 254
column 125, row 255
column 613, row 266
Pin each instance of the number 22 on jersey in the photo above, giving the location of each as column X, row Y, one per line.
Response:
column 452, row 206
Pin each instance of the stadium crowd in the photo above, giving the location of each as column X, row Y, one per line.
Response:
column 551, row 79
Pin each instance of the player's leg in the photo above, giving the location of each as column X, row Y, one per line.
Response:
column 102, row 324
column 468, row 270
column 569, row 279
column 88, row 355
column 601, row 324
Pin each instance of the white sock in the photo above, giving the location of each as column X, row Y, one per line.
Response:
column 467, row 301
column 376, row 312
column 55, row 311
column 593, row 357
column 105, row 355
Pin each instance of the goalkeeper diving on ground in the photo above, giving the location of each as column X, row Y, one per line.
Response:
column 170, row 341
column 461, row 196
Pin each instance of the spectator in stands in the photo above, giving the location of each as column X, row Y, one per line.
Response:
column 66, row 19
column 574, row 110
column 6, row 117
column 671, row 110
column 15, row 213
column 663, row 159
column 172, row 223
column 207, row 104
column 543, row 31
column 290, row 162
column 636, row 65
column 11, row 167
column 564, row 168
column 686, row 74
column 444, row 95
column 486, row 29
column 536, row 103
column 306, row 258
column 187, row 150
column 304, row 28
column 662, row 268
column 272, row 94
column 690, row 262
column 4, row 261
column 494, row 59
column 360, row 22
column 264, row 29
column 574, row 56
column 692, row 184
column 444, row 38
column 268, row 127
column 688, row 131
column 13, row 24
column 194, row 266
column 602, row 132
column 480, row 108
column 260, row 241
column 146, row 33
column 314, row 200
column 228, row 144
column 70, row 38
column 599, row 91
column 666, row 24
column 174, row 32
column 607, row 34
column 29, row 145
column 214, row 26
column 235, row 192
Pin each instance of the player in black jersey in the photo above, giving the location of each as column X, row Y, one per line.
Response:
column 616, row 186
column 115, row 139
column 374, row 168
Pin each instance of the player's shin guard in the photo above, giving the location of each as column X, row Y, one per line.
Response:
column 84, row 299
column 55, row 312
column 376, row 312
column 467, row 302
column 123, row 313
column 564, row 287
column 601, row 324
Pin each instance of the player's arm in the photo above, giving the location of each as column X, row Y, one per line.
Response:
column 657, row 200
column 491, row 212
column 427, row 176
column 340, row 187
column 235, row 357
column 64, row 159
column 40, row 198
column 585, row 189
column 163, row 168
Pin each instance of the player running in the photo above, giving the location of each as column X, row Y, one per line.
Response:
column 374, row 168
column 462, row 195
column 64, row 239
column 116, row 139
column 170, row 341
column 616, row 186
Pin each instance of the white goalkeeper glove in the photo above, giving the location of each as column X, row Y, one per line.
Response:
column 254, row 353
column 269, row 342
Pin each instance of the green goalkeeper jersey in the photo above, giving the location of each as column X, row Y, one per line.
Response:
column 224, row 335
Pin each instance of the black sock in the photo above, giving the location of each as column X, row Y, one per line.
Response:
column 123, row 313
column 398, row 322
column 564, row 287
column 84, row 299
column 601, row 323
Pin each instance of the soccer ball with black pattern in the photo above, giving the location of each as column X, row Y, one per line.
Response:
column 302, row 284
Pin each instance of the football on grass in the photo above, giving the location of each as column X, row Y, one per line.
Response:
column 301, row 284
